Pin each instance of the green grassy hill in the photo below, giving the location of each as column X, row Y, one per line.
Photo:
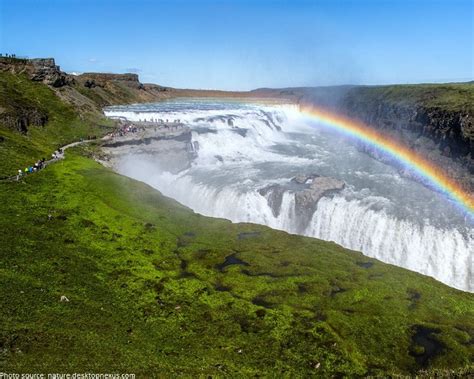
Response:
column 155, row 289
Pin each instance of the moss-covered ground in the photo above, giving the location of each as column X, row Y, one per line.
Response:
column 156, row 290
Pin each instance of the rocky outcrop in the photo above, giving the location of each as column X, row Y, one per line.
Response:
column 92, row 80
column 39, row 70
column 307, row 189
column 306, row 200
column 442, row 134
column 23, row 118
column 451, row 130
column 88, row 93
column 45, row 70
column 274, row 195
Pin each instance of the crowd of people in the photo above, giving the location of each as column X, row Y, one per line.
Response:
column 126, row 129
column 38, row 165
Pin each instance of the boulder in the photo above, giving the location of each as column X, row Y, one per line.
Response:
column 274, row 195
column 306, row 201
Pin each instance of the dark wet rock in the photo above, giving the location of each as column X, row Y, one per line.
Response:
column 424, row 345
column 365, row 264
column 247, row 235
column 306, row 201
column 274, row 195
column 231, row 260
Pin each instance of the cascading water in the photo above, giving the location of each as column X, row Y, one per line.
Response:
column 243, row 148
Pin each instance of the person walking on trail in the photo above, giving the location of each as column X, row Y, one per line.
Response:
column 20, row 174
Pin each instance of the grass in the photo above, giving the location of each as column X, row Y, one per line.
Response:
column 451, row 97
column 155, row 289
column 19, row 95
column 148, row 292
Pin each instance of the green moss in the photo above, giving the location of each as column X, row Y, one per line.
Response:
column 148, row 292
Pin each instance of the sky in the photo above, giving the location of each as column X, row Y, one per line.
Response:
column 245, row 44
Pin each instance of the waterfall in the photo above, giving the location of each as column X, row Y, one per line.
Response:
column 242, row 149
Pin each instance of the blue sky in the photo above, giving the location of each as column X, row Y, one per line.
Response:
column 248, row 44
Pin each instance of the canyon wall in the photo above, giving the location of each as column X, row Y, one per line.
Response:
column 436, row 120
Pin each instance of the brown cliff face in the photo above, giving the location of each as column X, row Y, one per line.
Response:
column 92, row 80
column 39, row 70
column 87, row 93
column 449, row 126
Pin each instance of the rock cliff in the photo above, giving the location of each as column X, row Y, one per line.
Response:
column 39, row 69
column 87, row 93
column 436, row 120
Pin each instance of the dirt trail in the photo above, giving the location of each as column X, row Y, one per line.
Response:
column 58, row 155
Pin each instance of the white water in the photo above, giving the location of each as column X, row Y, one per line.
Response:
column 380, row 213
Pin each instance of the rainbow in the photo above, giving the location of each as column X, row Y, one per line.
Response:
column 434, row 175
